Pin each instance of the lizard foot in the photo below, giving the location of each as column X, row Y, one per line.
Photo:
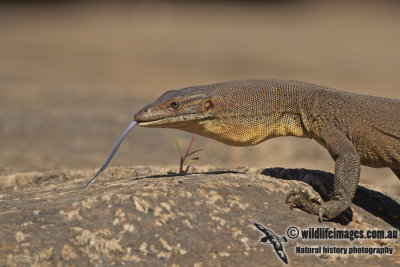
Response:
column 333, row 209
column 300, row 198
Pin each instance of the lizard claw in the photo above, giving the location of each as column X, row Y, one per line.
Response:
column 300, row 198
column 321, row 213
column 296, row 194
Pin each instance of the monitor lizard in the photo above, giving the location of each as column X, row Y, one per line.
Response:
column 356, row 129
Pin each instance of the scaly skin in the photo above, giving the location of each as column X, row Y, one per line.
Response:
column 355, row 129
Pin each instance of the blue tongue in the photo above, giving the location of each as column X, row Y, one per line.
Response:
column 121, row 138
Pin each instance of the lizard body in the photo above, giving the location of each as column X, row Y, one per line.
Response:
column 355, row 129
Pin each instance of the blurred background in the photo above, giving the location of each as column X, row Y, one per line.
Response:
column 73, row 74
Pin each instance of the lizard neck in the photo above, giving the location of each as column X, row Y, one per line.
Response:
column 247, row 129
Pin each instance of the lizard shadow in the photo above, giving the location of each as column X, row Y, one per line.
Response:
column 372, row 201
column 182, row 175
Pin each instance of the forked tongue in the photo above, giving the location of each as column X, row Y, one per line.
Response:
column 121, row 138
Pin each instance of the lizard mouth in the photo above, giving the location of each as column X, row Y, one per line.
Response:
column 169, row 121
column 157, row 122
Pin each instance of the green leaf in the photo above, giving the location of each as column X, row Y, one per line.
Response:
column 178, row 147
column 191, row 161
column 193, row 152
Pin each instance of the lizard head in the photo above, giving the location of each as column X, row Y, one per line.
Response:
column 180, row 109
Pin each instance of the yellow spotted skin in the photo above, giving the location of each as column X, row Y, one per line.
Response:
column 355, row 129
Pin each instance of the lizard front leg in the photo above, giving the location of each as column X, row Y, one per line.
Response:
column 347, row 174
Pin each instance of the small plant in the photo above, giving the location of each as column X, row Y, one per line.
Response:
column 182, row 163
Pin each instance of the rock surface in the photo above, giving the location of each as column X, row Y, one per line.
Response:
column 151, row 216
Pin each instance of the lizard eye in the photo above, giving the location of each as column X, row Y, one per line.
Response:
column 175, row 105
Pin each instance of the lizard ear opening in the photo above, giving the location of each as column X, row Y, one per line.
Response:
column 208, row 106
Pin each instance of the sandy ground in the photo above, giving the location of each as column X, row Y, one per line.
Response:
column 72, row 76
